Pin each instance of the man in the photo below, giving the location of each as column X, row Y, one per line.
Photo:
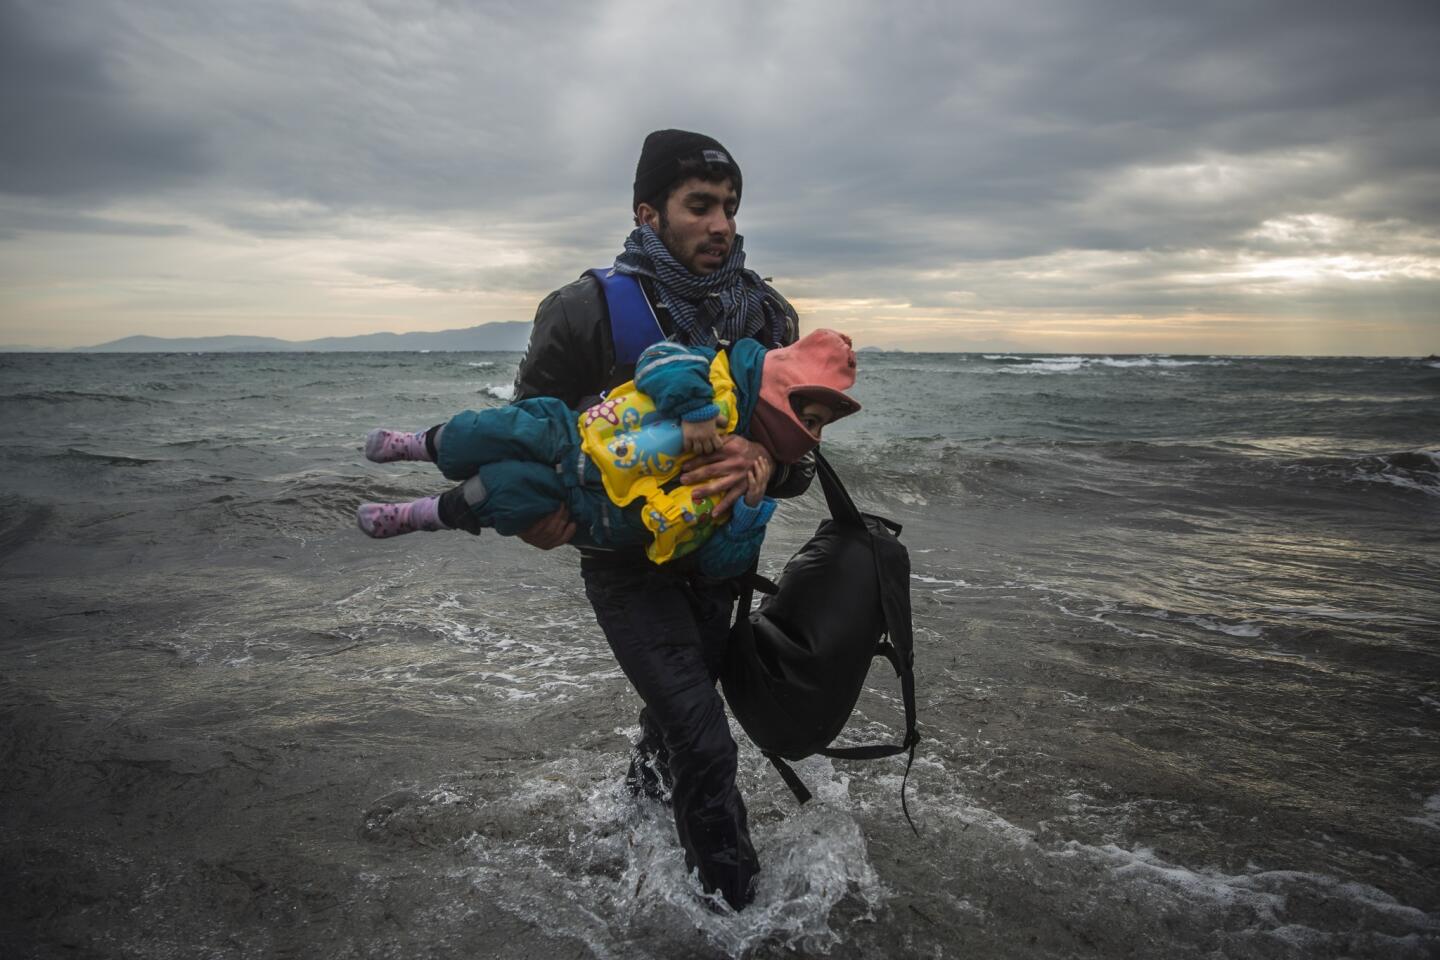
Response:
column 666, row 625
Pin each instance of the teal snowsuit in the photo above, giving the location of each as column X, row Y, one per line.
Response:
column 520, row 462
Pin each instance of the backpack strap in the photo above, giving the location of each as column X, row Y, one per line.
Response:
column 837, row 498
column 758, row 581
column 791, row 778
column 892, row 571
column 900, row 651
column 633, row 324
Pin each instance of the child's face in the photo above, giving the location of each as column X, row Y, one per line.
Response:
column 814, row 415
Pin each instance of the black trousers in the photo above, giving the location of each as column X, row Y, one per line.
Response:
column 668, row 633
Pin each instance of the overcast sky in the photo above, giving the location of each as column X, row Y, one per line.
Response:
column 1055, row 175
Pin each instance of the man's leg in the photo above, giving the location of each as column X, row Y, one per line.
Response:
column 659, row 627
column 650, row 769
column 649, row 772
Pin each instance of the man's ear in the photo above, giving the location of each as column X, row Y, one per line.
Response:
column 646, row 215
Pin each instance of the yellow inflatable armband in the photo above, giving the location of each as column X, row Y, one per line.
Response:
column 638, row 452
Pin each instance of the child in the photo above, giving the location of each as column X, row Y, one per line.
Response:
column 615, row 465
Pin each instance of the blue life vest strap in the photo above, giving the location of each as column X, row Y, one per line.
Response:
column 633, row 324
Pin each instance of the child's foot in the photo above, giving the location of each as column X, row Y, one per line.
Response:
column 380, row 520
column 384, row 446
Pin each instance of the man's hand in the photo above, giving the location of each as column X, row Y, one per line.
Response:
column 703, row 436
column 550, row 531
column 726, row 471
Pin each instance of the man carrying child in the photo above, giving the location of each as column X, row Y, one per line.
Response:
column 667, row 626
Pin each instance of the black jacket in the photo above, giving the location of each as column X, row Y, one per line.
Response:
column 572, row 356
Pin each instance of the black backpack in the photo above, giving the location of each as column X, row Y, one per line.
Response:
column 795, row 666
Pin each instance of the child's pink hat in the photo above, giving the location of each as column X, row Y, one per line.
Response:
column 820, row 366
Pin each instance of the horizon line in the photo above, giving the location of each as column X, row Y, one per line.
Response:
column 987, row 354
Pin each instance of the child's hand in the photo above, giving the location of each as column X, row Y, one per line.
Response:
column 703, row 436
column 757, row 480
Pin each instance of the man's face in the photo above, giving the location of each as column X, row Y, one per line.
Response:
column 698, row 223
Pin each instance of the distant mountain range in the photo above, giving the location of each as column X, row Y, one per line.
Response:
column 507, row 336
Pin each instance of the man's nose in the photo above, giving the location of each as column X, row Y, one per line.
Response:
column 717, row 221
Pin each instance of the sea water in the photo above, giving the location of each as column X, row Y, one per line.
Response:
column 1178, row 661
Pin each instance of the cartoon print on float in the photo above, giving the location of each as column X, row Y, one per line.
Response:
column 649, row 445
column 638, row 452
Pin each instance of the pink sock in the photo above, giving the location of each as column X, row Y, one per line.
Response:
column 380, row 520
column 384, row 446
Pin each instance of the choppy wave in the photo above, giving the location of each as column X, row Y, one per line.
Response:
column 1129, row 890
column 165, row 386
column 1071, row 364
column 1430, row 818
column 1140, row 621
column 1146, row 606
column 1305, row 911
column 21, row 521
column 938, row 472
column 75, row 396
column 106, row 459
column 1413, row 470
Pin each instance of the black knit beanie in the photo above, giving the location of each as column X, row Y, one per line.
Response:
column 662, row 153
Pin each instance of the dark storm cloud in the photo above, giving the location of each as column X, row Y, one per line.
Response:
column 70, row 125
column 1029, row 132
column 929, row 152
column 1009, row 115
column 349, row 106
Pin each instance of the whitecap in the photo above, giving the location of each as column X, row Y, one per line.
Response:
column 1074, row 363
column 504, row 391
column 1408, row 477
column 1068, row 365
column 924, row 578
column 1430, row 819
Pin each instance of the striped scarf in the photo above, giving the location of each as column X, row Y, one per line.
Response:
column 725, row 305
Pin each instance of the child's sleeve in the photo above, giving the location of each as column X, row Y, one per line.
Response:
column 677, row 378
column 733, row 547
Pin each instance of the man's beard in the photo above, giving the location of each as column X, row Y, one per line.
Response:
column 687, row 259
